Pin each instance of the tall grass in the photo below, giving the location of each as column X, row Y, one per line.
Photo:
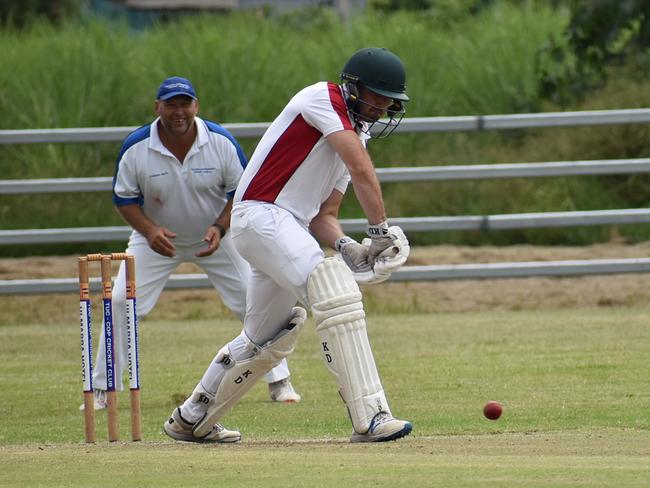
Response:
column 245, row 68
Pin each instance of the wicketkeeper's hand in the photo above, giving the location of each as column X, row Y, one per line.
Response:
column 354, row 255
column 159, row 239
column 213, row 239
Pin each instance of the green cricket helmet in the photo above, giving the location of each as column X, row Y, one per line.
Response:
column 382, row 72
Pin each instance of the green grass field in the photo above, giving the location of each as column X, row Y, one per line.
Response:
column 575, row 386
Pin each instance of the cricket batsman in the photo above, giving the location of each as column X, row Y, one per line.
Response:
column 286, row 204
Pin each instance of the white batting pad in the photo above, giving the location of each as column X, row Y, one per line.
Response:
column 340, row 322
column 241, row 374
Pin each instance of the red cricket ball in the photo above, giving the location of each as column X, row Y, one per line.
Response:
column 492, row 410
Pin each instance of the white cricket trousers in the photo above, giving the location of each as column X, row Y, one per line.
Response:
column 227, row 271
column 282, row 254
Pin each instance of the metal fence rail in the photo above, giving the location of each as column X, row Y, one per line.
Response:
column 386, row 175
column 409, row 224
column 411, row 124
column 524, row 121
column 406, row 273
column 408, row 174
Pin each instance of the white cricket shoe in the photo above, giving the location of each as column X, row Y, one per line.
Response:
column 99, row 400
column 383, row 428
column 181, row 430
column 282, row 391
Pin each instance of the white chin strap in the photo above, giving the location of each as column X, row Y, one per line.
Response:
column 340, row 322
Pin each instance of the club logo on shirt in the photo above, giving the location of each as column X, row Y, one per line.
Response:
column 204, row 170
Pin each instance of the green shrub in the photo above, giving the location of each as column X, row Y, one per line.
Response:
column 20, row 13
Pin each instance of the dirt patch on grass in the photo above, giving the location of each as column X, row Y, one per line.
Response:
column 442, row 296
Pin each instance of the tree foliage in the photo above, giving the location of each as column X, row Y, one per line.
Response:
column 600, row 33
column 20, row 12
column 443, row 8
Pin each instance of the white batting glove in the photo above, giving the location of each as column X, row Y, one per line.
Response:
column 393, row 256
column 354, row 255
column 381, row 241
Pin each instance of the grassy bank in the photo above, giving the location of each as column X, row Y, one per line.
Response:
column 105, row 75
column 245, row 67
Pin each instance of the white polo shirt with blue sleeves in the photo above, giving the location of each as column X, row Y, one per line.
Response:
column 185, row 198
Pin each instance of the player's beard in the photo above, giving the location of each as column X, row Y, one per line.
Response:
column 369, row 113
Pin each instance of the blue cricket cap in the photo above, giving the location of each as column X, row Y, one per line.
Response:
column 175, row 86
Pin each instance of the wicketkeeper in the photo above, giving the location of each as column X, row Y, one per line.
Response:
column 286, row 202
column 174, row 183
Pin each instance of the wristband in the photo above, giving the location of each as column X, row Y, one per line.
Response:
column 377, row 230
column 222, row 229
column 342, row 241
